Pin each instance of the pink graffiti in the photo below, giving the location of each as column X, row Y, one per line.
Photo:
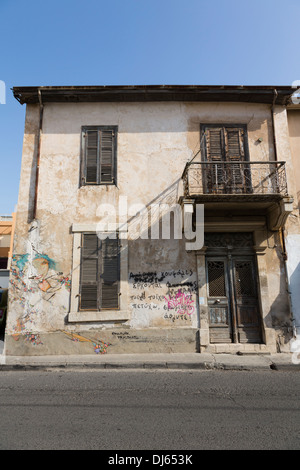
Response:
column 181, row 302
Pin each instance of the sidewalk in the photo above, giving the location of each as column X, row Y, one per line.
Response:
column 276, row 362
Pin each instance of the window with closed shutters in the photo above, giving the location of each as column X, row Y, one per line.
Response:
column 225, row 151
column 100, row 273
column 99, row 153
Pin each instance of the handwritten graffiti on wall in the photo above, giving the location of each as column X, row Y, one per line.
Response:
column 168, row 294
column 155, row 279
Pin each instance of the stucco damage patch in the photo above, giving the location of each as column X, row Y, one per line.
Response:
column 35, row 282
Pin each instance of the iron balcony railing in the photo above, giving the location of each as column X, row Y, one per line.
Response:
column 235, row 178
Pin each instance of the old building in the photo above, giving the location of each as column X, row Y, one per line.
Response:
column 7, row 224
column 110, row 251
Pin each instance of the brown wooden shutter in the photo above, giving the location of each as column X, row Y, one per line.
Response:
column 215, row 154
column 214, row 144
column 234, row 144
column 100, row 273
column 91, row 160
column 110, row 274
column 234, row 151
column 89, row 272
column 107, row 156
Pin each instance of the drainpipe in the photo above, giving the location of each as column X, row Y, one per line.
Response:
column 273, row 125
column 38, row 153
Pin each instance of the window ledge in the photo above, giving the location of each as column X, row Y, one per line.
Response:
column 105, row 315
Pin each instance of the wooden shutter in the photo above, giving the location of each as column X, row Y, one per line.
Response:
column 215, row 154
column 107, row 156
column 100, row 273
column 235, row 152
column 214, row 144
column 110, row 276
column 234, row 144
column 91, row 156
column 89, row 272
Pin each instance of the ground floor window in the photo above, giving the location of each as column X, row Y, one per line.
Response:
column 99, row 275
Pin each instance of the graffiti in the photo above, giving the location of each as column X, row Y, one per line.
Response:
column 44, row 277
column 155, row 278
column 145, row 306
column 181, row 302
column 33, row 279
column 124, row 335
column 141, row 296
column 171, row 316
column 47, row 279
column 33, row 339
column 20, row 332
column 100, row 347
column 169, row 294
column 189, row 287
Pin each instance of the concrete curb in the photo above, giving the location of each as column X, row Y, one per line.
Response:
column 276, row 362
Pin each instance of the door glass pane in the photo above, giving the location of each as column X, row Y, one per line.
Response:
column 216, row 279
column 244, row 282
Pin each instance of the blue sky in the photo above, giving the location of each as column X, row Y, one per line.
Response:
column 137, row 42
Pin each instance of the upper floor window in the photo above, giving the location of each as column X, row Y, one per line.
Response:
column 227, row 143
column 225, row 152
column 99, row 155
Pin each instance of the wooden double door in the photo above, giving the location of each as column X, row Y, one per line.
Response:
column 234, row 314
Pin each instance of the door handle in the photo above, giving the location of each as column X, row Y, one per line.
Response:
column 217, row 301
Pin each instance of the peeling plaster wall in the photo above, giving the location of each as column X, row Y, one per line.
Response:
column 293, row 232
column 155, row 140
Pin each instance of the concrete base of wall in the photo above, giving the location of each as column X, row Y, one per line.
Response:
column 116, row 341
column 126, row 341
column 243, row 348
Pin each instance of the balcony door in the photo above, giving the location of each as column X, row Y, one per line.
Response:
column 234, row 315
column 225, row 149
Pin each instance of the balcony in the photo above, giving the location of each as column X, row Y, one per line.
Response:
column 236, row 181
column 239, row 186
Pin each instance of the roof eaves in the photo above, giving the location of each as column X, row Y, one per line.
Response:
column 253, row 94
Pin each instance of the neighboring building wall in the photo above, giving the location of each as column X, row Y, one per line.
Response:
column 7, row 224
column 155, row 140
column 293, row 236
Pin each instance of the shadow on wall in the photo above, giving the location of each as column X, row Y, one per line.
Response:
column 295, row 296
column 35, row 276
column 280, row 316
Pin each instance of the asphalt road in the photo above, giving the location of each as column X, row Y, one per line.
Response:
column 149, row 410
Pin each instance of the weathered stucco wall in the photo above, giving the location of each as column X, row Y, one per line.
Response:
column 155, row 140
column 293, row 232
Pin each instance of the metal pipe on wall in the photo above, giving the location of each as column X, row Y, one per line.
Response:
column 38, row 153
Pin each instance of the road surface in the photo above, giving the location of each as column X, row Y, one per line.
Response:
column 149, row 410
